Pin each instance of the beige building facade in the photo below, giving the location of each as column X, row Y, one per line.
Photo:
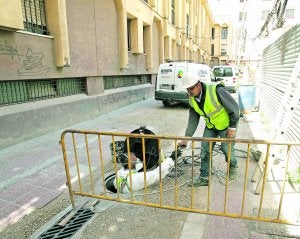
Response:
column 221, row 44
column 102, row 53
column 93, row 39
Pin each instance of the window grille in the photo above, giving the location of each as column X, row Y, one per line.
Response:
column 128, row 34
column 173, row 12
column 224, row 32
column 112, row 82
column 223, row 49
column 187, row 25
column 213, row 33
column 13, row 92
column 289, row 13
column 243, row 16
column 34, row 16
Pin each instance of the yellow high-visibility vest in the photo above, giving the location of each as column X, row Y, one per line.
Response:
column 213, row 112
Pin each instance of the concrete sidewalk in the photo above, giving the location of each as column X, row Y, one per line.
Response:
column 32, row 175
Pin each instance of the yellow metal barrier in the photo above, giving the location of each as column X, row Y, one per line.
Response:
column 87, row 161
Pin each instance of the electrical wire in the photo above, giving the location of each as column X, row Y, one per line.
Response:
column 222, row 176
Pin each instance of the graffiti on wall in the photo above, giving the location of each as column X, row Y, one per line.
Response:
column 33, row 64
column 115, row 98
column 9, row 50
column 9, row 56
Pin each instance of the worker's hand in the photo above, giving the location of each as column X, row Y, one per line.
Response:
column 231, row 133
column 182, row 144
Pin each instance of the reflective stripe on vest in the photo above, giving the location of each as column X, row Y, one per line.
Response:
column 122, row 183
column 214, row 113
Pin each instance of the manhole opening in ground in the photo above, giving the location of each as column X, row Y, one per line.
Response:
column 67, row 231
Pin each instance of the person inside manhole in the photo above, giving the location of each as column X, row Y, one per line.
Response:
column 221, row 115
column 122, row 183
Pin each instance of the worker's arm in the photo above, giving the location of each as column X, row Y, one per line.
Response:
column 152, row 176
column 192, row 125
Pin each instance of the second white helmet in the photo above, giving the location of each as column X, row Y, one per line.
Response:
column 190, row 78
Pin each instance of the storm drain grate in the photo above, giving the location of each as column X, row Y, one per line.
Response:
column 57, row 231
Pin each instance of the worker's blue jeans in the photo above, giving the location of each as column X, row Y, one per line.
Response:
column 205, row 156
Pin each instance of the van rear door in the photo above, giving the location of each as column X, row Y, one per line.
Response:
column 166, row 78
column 180, row 69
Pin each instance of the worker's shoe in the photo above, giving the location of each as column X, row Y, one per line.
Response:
column 233, row 173
column 198, row 181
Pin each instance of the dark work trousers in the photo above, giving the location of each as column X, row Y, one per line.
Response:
column 205, row 157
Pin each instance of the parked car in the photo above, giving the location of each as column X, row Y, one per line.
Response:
column 168, row 88
column 229, row 75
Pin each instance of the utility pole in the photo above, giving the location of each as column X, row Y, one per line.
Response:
column 242, row 34
column 277, row 12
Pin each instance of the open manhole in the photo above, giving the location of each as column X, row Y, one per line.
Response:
column 67, row 231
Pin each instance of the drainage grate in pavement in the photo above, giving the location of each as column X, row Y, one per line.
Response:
column 76, row 222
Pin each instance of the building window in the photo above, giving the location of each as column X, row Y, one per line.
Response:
column 212, row 47
column 173, row 12
column 34, row 16
column 289, row 13
column 223, row 49
column 187, row 24
column 128, row 34
column 224, row 32
column 213, row 33
column 21, row 91
column 242, row 16
column 113, row 82
column 265, row 14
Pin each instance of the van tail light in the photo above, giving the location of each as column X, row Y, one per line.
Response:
column 234, row 80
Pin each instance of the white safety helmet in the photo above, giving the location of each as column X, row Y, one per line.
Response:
column 190, row 78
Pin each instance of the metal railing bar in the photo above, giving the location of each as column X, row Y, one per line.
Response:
column 76, row 162
column 251, row 141
column 101, row 163
column 264, row 180
column 209, row 176
column 144, row 170
column 129, row 167
column 284, row 180
column 89, row 163
column 160, row 178
column 192, row 180
column 227, row 176
column 176, row 178
column 187, row 209
column 246, row 179
column 115, row 164
column 71, row 193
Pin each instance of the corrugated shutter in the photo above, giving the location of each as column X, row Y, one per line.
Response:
column 280, row 87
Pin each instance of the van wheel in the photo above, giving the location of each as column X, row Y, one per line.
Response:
column 166, row 102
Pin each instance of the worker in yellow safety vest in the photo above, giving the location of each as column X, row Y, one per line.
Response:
column 221, row 115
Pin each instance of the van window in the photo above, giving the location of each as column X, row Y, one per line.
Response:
column 223, row 71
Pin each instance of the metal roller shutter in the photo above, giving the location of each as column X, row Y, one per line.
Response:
column 280, row 88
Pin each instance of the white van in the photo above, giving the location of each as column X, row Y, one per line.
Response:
column 229, row 75
column 168, row 88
